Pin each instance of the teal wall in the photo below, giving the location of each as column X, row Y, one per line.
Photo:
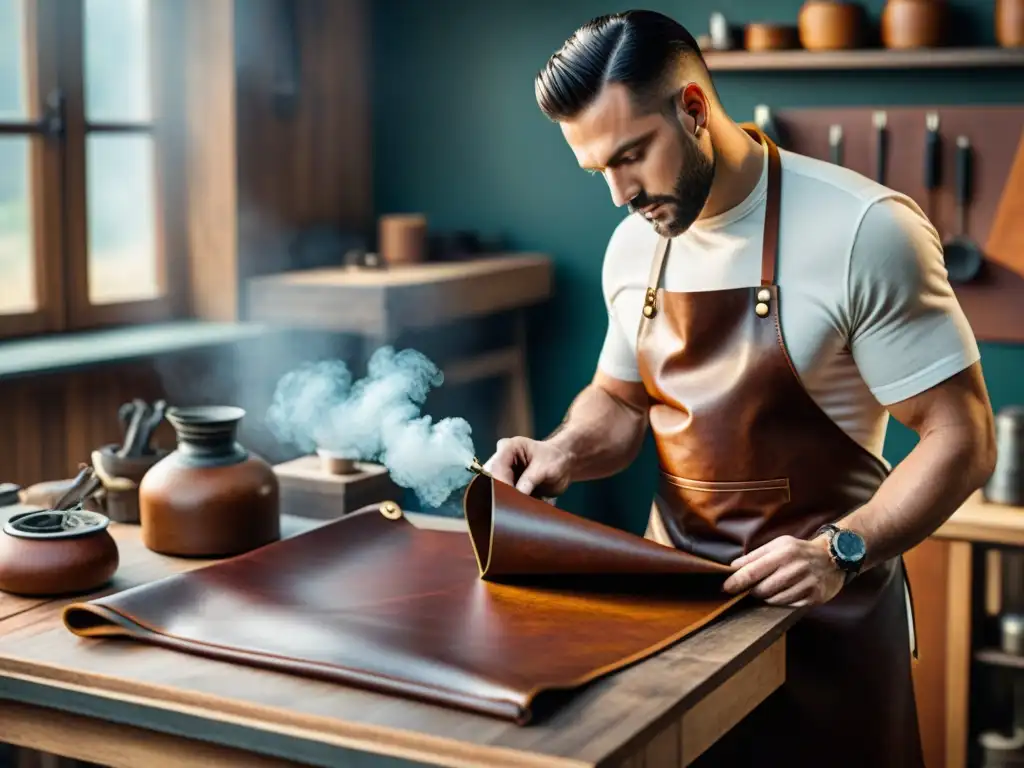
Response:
column 457, row 134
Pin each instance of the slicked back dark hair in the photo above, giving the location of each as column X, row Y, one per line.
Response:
column 635, row 48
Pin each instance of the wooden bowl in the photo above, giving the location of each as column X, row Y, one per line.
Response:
column 771, row 37
column 828, row 25
column 56, row 553
column 914, row 24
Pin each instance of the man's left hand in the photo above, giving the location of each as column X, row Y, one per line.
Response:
column 788, row 571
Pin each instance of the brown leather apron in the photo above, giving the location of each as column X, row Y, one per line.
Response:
column 746, row 455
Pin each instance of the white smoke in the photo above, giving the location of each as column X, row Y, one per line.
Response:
column 377, row 419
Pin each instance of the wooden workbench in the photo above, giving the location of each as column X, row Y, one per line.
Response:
column 129, row 704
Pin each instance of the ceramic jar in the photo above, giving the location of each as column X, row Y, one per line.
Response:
column 1010, row 23
column 56, row 553
column 914, row 23
column 210, row 497
column 829, row 25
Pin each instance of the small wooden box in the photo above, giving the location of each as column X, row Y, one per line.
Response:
column 308, row 491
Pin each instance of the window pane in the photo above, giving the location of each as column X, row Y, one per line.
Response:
column 12, row 61
column 17, row 247
column 117, row 71
column 122, row 218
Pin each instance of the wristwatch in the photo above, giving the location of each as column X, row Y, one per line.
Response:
column 846, row 548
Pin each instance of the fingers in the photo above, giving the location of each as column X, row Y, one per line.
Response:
column 783, row 578
column 501, row 463
column 530, row 479
column 754, row 554
column 798, row 595
column 756, row 570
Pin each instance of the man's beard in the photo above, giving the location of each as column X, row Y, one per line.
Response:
column 692, row 187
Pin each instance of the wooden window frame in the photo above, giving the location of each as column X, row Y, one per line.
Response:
column 55, row 64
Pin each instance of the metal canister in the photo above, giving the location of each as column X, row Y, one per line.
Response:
column 1006, row 485
column 1012, row 631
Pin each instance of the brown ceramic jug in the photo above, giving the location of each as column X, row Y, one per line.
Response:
column 1010, row 23
column 210, row 497
column 47, row 552
column 914, row 23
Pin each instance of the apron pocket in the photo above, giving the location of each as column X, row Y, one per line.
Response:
column 730, row 486
column 721, row 513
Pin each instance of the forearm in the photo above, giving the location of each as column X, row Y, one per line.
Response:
column 601, row 433
column 922, row 491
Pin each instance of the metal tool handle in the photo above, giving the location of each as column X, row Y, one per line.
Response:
column 883, row 150
column 931, row 156
column 963, row 182
column 835, row 140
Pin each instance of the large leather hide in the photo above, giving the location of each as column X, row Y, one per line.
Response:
column 534, row 599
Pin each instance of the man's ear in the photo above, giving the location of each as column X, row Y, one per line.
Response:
column 694, row 104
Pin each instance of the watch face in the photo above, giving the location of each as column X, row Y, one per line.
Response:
column 849, row 546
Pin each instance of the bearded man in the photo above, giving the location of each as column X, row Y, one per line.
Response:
column 767, row 313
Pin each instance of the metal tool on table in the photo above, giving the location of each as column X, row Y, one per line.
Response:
column 880, row 120
column 835, row 143
column 139, row 420
column 963, row 256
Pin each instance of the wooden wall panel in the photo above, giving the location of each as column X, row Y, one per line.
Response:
column 32, row 417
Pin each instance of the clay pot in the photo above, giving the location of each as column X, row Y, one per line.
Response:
column 831, row 26
column 121, row 477
column 47, row 553
column 210, row 497
column 402, row 238
column 1010, row 23
column 770, row 37
column 914, row 23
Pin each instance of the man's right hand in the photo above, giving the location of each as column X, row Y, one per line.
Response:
column 534, row 467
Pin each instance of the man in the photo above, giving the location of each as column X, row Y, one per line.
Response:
column 767, row 312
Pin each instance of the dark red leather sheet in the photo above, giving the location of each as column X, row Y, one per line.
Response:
column 554, row 601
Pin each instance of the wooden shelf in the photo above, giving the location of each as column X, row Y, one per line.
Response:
column 868, row 58
column 979, row 521
column 998, row 658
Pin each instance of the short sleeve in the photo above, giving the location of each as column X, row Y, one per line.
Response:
column 907, row 331
column 618, row 358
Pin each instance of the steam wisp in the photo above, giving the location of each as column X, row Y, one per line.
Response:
column 377, row 419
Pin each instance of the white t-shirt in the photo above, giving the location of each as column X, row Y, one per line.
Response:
column 866, row 310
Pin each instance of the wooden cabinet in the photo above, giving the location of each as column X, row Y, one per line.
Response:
column 963, row 681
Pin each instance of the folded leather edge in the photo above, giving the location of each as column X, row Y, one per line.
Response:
column 117, row 624
column 472, row 523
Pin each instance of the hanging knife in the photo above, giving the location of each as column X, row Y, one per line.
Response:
column 835, row 143
column 881, row 120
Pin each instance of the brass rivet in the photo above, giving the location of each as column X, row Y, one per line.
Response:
column 648, row 311
column 390, row 510
column 764, row 295
column 761, row 309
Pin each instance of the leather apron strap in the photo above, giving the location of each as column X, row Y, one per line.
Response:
column 770, row 236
